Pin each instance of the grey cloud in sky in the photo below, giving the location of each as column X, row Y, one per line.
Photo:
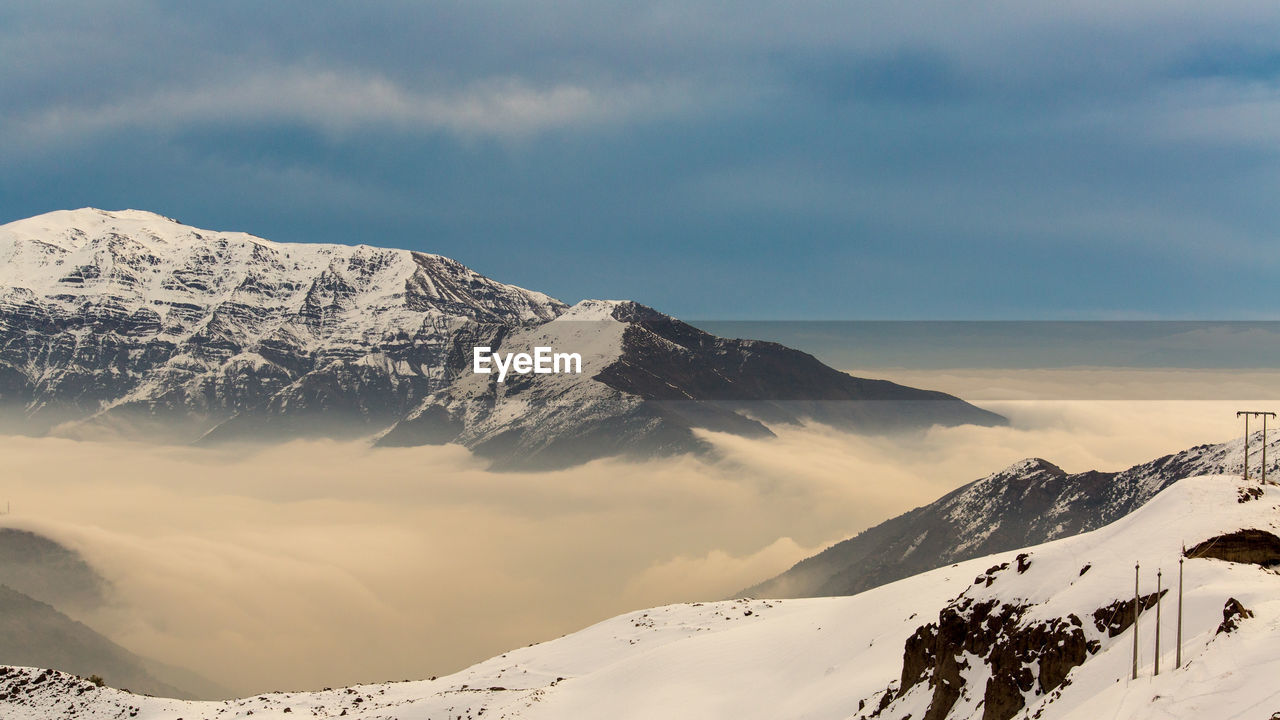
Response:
column 753, row 160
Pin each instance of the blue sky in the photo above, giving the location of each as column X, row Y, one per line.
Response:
column 753, row 161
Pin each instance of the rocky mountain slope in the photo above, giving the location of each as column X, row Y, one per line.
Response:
column 129, row 323
column 647, row 380
column 1044, row 632
column 1029, row 502
column 50, row 572
column 34, row 633
column 43, row 584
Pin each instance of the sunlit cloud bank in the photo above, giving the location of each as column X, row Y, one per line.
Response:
column 1090, row 383
column 317, row 563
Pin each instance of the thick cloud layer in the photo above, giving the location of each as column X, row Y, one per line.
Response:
column 315, row 564
column 852, row 160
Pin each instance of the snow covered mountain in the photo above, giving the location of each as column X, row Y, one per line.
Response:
column 1042, row 632
column 131, row 323
column 1029, row 502
column 130, row 319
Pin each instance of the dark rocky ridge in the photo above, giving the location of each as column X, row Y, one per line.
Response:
column 670, row 378
column 675, row 364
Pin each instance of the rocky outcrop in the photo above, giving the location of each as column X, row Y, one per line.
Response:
column 1117, row 617
column 1015, row 653
column 1022, row 657
column 1256, row 547
column 1232, row 613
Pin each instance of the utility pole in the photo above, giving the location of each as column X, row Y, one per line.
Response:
column 1135, row 621
column 1158, row 573
column 1263, row 414
column 1246, row 445
column 1180, row 560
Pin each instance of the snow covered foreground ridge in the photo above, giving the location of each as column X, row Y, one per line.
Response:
column 129, row 323
column 1043, row 632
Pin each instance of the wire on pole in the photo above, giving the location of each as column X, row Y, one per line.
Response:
column 1180, row 561
column 1135, row 621
column 1158, row 584
column 1247, row 414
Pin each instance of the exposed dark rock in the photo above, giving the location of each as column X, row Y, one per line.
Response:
column 1022, row 657
column 1232, row 613
column 1256, row 547
column 1117, row 617
column 1249, row 493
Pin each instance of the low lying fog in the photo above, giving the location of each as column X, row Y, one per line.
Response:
column 317, row 564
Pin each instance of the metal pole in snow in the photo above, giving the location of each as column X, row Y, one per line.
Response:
column 1246, row 448
column 1135, row 621
column 1158, row 573
column 1264, row 414
column 1184, row 552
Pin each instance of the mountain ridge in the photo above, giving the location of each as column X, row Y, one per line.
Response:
column 1029, row 502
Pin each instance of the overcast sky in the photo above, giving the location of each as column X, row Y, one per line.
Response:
column 717, row 160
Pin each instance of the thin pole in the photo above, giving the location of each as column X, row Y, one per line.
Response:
column 1158, row 573
column 1263, row 414
column 1135, row 621
column 1246, row 448
column 1184, row 552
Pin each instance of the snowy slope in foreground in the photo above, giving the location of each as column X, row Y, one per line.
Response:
column 840, row 657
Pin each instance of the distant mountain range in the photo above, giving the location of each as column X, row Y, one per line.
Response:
column 1030, row 502
column 41, row 583
column 131, row 324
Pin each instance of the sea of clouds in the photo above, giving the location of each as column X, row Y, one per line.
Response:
column 316, row 563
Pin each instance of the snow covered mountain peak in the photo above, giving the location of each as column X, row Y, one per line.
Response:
column 87, row 220
column 139, row 258
column 1026, row 470
column 590, row 310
